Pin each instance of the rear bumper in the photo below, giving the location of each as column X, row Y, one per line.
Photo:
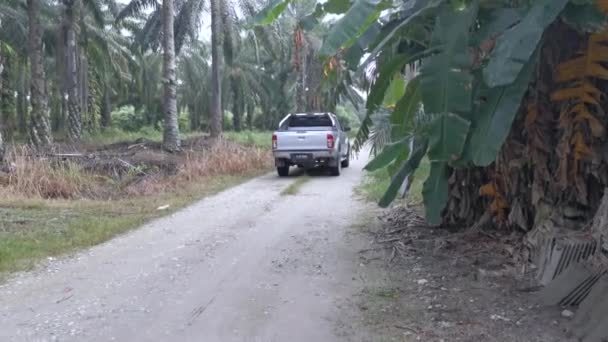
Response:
column 317, row 158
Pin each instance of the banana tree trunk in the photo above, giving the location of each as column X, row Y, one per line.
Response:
column 40, row 130
column 216, row 63
column 171, row 140
column 74, row 109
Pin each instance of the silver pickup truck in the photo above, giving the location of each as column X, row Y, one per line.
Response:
column 309, row 140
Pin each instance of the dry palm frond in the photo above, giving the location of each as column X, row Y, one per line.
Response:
column 499, row 204
column 582, row 101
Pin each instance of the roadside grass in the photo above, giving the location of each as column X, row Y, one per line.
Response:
column 34, row 229
column 259, row 139
column 295, row 186
column 375, row 183
column 50, row 207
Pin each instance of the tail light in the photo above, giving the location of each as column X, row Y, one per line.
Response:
column 274, row 141
column 330, row 141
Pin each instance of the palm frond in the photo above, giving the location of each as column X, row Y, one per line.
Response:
column 380, row 132
column 148, row 37
column 96, row 12
column 136, row 7
column 187, row 22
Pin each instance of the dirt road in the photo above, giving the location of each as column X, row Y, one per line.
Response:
column 245, row 265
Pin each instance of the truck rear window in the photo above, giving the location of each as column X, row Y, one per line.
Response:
column 310, row 121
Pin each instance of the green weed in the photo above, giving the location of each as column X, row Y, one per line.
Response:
column 295, row 186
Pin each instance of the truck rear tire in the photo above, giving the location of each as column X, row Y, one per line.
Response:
column 283, row 171
column 336, row 170
column 346, row 162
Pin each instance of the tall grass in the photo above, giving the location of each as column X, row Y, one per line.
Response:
column 221, row 159
column 32, row 176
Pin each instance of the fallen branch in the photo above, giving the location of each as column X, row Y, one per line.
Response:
column 374, row 249
column 406, row 328
column 64, row 299
column 71, row 155
column 389, row 240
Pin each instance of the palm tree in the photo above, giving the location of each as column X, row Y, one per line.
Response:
column 246, row 80
column 7, row 90
column 84, row 34
column 40, row 129
column 194, row 87
column 2, row 71
column 216, row 64
column 72, row 58
column 112, row 67
column 13, row 52
column 147, row 84
column 162, row 23
column 171, row 129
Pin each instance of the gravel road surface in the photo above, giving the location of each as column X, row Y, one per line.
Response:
column 248, row 264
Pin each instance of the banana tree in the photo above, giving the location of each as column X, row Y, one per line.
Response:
column 480, row 64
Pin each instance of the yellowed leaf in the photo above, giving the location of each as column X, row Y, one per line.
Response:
column 602, row 5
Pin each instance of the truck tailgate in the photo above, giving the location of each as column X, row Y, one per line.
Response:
column 301, row 140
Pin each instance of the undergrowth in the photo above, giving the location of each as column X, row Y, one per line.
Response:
column 375, row 183
column 260, row 139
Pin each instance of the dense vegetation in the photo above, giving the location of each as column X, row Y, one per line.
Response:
column 89, row 89
column 506, row 98
column 73, row 68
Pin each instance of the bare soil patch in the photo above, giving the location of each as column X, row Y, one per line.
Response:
column 435, row 285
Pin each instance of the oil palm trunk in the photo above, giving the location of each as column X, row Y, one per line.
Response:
column 74, row 108
column 216, row 55
column 2, row 71
column 171, row 140
column 40, row 128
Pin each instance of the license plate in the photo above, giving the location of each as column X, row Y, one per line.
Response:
column 301, row 156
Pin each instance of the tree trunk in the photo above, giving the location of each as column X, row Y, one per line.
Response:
column 171, row 128
column 3, row 70
column 106, row 109
column 250, row 113
column 74, row 109
column 55, row 106
column 299, row 64
column 40, row 132
column 216, row 80
column 194, row 122
column 7, row 93
column 86, row 91
column 237, row 106
column 22, row 110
